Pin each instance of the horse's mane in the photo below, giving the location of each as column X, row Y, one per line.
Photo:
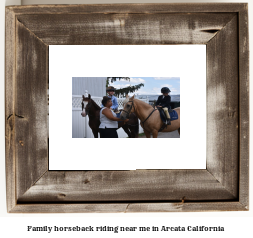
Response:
column 126, row 100
column 95, row 105
column 143, row 103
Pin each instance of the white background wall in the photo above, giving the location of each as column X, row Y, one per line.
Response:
column 236, row 223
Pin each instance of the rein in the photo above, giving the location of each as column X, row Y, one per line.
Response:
column 148, row 117
column 129, row 115
column 134, row 109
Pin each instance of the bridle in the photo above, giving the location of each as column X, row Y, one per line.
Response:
column 128, row 112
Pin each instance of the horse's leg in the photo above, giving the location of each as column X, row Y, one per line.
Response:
column 125, row 128
column 147, row 134
column 135, row 128
column 134, row 131
column 95, row 133
column 131, row 132
column 179, row 130
column 155, row 133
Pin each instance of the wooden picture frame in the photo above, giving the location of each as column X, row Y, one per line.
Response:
column 222, row 186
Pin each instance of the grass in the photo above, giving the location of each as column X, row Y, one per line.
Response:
column 141, row 135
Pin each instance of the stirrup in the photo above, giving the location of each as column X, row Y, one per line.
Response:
column 168, row 122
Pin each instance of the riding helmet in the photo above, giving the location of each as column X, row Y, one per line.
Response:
column 110, row 88
column 165, row 90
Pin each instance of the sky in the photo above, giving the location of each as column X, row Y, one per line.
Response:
column 152, row 85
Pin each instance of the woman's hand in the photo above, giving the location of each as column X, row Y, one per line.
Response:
column 125, row 121
column 108, row 113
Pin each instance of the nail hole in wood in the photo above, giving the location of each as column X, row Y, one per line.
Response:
column 61, row 195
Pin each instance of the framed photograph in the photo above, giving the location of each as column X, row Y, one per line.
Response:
column 33, row 187
column 145, row 89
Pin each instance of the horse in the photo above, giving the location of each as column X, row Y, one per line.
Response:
column 93, row 111
column 149, row 117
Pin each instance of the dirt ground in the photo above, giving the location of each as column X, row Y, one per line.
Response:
column 173, row 134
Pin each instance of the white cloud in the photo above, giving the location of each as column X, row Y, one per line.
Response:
column 166, row 85
column 118, row 86
column 153, row 91
column 143, row 91
column 156, row 90
column 174, row 91
column 132, row 81
column 137, row 80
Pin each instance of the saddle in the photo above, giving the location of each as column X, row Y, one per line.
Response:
column 173, row 116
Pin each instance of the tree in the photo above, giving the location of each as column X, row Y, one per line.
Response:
column 126, row 90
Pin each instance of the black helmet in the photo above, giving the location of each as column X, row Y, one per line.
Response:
column 110, row 88
column 165, row 90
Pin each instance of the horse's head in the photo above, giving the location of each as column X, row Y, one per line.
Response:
column 128, row 108
column 86, row 105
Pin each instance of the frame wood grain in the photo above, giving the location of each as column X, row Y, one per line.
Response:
column 223, row 186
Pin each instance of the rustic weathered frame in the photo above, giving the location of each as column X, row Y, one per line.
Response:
column 223, row 186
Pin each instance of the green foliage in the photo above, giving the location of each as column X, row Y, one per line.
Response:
column 129, row 89
column 126, row 90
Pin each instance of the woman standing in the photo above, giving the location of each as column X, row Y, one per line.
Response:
column 109, row 122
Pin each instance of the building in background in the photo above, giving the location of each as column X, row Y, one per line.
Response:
column 96, row 86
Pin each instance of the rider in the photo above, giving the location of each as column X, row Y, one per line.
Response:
column 163, row 102
column 110, row 91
